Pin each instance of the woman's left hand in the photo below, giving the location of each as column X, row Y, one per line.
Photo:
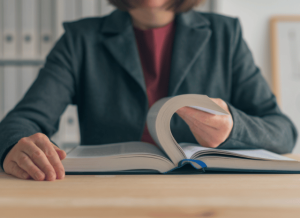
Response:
column 210, row 130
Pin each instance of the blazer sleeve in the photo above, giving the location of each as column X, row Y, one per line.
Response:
column 45, row 101
column 258, row 121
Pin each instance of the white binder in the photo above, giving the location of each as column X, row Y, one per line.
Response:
column 205, row 6
column 9, row 29
column 68, row 135
column 10, row 87
column 69, row 126
column 47, row 26
column 1, row 93
column 105, row 8
column 66, row 10
column 88, row 8
column 15, row 82
column 29, row 27
column 1, row 30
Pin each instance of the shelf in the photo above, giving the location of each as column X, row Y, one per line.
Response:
column 22, row 62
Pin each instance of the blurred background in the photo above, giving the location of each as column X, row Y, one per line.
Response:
column 29, row 29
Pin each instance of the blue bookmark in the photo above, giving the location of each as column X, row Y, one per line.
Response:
column 199, row 162
column 188, row 161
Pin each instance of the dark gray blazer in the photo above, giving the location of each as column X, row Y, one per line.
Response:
column 96, row 66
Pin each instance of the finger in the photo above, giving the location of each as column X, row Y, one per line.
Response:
column 40, row 160
column 205, row 137
column 15, row 170
column 46, row 146
column 193, row 115
column 25, row 163
column 200, row 128
column 221, row 103
column 61, row 153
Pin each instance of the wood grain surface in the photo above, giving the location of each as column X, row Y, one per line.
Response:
column 204, row 195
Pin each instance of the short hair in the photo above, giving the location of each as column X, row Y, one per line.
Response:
column 176, row 5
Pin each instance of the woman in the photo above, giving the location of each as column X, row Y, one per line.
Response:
column 114, row 68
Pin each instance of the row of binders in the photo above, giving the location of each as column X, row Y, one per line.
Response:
column 15, row 82
column 28, row 28
column 28, row 31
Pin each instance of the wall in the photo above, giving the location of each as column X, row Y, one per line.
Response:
column 254, row 16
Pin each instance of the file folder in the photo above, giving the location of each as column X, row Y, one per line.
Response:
column 47, row 26
column 10, row 87
column 1, row 93
column 89, row 8
column 9, row 29
column 105, row 8
column 69, row 126
column 66, row 11
column 1, row 29
column 29, row 34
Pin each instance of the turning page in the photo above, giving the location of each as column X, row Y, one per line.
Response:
column 159, row 118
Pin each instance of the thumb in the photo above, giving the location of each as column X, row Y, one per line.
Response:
column 61, row 153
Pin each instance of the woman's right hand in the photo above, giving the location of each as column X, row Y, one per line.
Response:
column 35, row 157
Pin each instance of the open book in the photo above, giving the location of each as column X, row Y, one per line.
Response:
column 169, row 155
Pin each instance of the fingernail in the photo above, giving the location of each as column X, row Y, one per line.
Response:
column 38, row 176
column 61, row 174
column 25, row 175
column 51, row 176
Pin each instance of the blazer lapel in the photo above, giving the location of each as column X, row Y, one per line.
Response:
column 192, row 33
column 120, row 41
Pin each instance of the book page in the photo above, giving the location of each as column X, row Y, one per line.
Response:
column 191, row 149
column 259, row 153
column 210, row 110
column 117, row 157
column 160, row 114
column 115, row 149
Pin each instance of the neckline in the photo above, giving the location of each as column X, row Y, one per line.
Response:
column 155, row 29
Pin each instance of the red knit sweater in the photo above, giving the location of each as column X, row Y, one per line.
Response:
column 155, row 51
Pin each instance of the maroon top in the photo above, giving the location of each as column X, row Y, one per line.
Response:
column 155, row 51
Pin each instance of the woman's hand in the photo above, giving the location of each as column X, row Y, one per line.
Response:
column 209, row 130
column 35, row 157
